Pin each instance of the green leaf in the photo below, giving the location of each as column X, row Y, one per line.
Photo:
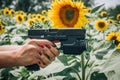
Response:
column 69, row 78
column 53, row 78
column 102, row 47
column 97, row 9
column 98, row 76
column 105, row 50
column 10, row 30
column 76, row 65
column 63, row 59
column 111, row 67
column 65, row 72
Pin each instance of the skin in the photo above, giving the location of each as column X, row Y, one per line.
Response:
column 33, row 51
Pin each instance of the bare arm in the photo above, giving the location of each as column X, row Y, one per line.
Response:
column 7, row 59
column 8, row 47
column 32, row 52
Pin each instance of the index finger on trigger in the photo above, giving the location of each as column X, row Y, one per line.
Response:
column 44, row 41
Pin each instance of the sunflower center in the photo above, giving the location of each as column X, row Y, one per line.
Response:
column 0, row 27
column 104, row 14
column 31, row 22
column 101, row 24
column 119, row 17
column 19, row 18
column 114, row 37
column 39, row 17
column 69, row 15
column 111, row 21
column 12, row 12
column 6, row 12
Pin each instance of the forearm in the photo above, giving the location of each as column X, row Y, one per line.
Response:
column 7, row 59
column 8, row 47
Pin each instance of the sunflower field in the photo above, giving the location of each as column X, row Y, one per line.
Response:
column 101, row 60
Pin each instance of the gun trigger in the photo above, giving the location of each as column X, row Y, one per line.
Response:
column 57, row 44
column 56, row 41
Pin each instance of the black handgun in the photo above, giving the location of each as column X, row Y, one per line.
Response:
column 72, row 40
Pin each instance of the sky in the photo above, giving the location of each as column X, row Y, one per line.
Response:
column 108, row 3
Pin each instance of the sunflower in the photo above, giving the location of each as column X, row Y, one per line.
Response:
column 31, row 22
column 111, row 36
column 67, row 14
column 44, row 12
column 43, row 18
column 117, row 33
column 22, row 12
column 29, row 15
column 2, row 28
column 101, row 24
column 118, row 17
column 89, row 9
column 103, row 13
column 6, row 11
column 110, row 21
column 33, row 16
column 118, row 36
column 12, row 12
column 38, row 17
column 118, row 46
column 20, row 18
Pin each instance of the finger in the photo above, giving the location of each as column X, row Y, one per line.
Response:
column 32, row 47
column 54, row 51
column 44, row 59
column 33, row 56
column 41, row 64
column 47, row 51
column 42, row 41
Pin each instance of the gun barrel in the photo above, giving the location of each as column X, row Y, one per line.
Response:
column 56, row 33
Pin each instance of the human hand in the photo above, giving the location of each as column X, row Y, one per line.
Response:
column 36, row 51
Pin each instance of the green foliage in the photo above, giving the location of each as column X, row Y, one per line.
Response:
column 98, row 76
column 97, row 9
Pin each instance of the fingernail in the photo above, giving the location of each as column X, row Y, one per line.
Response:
column 42, row 46
column 40, row 53
column 49, row 46
column 39, row 62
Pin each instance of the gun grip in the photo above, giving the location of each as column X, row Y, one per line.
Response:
column 33, row 67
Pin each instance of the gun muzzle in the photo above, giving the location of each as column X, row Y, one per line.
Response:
column 75, row 48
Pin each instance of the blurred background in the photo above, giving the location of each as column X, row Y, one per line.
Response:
column 33, row 6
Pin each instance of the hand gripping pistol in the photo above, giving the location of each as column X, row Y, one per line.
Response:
column 72, row 40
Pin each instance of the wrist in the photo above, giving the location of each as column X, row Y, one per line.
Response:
column 7, row 59
column 15, row 57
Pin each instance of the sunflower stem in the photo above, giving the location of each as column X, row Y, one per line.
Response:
column 83, row 67
column 103, row 35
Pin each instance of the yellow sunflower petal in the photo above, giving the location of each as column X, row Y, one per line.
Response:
column 101, row 24
column 67, row 14
column 118, row 46
column 118, row 16
column 103, row 13
column 111, row 36
column 110, row 21
column 31, row 22
column 2, row 29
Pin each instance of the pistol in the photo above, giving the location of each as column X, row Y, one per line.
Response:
column 72, row 40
